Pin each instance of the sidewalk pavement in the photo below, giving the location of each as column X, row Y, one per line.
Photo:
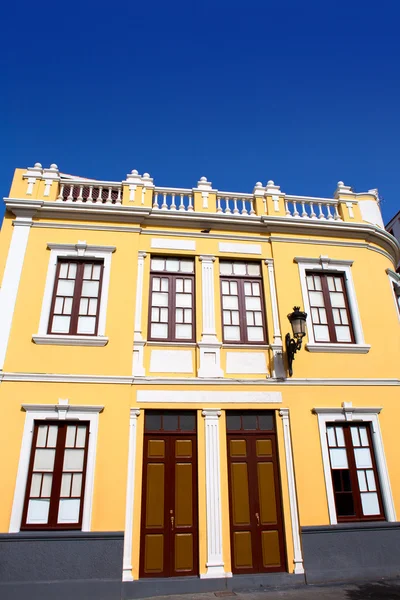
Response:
column 379, row 590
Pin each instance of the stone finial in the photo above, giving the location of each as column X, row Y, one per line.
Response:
column 147, row 180
column 203, row 184
column 374, row 192
column 133, row 178
column 259, row 189
column 272, row 189
column 342, row 189
column 37, row 166
column 54, row 167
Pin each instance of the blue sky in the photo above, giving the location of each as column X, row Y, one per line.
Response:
column 304, row 93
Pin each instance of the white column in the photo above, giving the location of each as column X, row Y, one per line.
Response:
column 130, row 497
column 138, row 341
column 294, row 515
column 11, row 278
column 277, row 346
column 210, row 361
column 215, row 563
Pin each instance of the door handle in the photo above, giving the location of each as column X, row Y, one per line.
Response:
column 258, row 519
column 172, row 520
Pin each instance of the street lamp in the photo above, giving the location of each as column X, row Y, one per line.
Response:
column 298, row 322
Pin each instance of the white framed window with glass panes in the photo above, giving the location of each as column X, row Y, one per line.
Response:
column 242, row 302
column 172, row 299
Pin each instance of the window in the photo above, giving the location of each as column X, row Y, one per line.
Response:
column 170, row 421
column 250, row 420
column 76, row 297
column 329, row 307
column 171, row 311
column 242, row 303
column 56, row 476
column 354, row 474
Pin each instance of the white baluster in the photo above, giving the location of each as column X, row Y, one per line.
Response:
column 227, row 209
column 330, row 215
column 90, row 197
column 119, row 200
column 109, row 197
column 60, row 196
column 304, row 214
column 71, row 194
column 321, row 214
column 235, row 207
column 80, row 195
column 190, row 205
column 287, row 211
column 252, row 211
column 181, row 203
column 164, row 205
column 337, row 215
column 173, row 205
column 100, row 196
column 312, row 213
column 155, row 203
column 219, row 209
column 295, row 211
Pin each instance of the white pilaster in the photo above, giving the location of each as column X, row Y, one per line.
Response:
column 11, row 278
column 50, row 175
column 298, row 555
column 210, row 361
column 277, row 347
column 138, row 341
column 215, row 563
column 204, row 187
column 130, row 496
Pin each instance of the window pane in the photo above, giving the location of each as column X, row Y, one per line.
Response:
column 355, row 438
column 258, row 318
column 179, row 285
column 331, row 285
column 336, row 316
column 96, row 272
column 371, row 481
column 255, row 334
column 317, row 282
column 363, row 436
column 60, row 324
column 76, row 484
column 188, row 286
column 362, row 482
column 164, row 284
column 337, row 300
column 266, row 422
column 331, row 437
column 65, row 288
column 66, row 485
column 172, row 265
column 235, row 317
column 233, row 422
column 225, row 268
column 81, row 437
column 68, row 511
column 87, row 271
column 170, row 422
column 230, row 302
column 225, row 287
column 179, row 315
column 157, row 264
column 247, row 288
column 58, row 306
column 317, row 299
column 310, row 282
column 63, row 270
column 363, row 458
column 253, row 269
column 188, row 315
column 344, row 317
column 52, row 436
column 187, row 266
column 86, row 325
column 73, row 460
column 183, row 332
column 343, row 333
column 184, row 300
column 249, row 422
column 41, row 436
column 226, row 316
column 338, row 458
column 370, row 504
column 35, row 485
column 156, row 284
column 38, row 512
column 239, row 268
column 159, row 330
column 83, row 306
column 321, row 333
column 93, row 306
column 72, row 270
column 44, row 460
column 340, row 437
column 249, row 318
column 70, row 437
column 152, row 421
column 231, row 333
column 338, row 284
column 233, row 286
column 159, row 299
column 187, row 422
column 253, row 303
column 344, row 505
column 90, row 288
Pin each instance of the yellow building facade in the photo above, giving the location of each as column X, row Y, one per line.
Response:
column 152, row 438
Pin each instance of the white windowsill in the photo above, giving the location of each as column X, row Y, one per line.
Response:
column 246, row 346
column 70, row 340
column 339, row 348
column 172, row 344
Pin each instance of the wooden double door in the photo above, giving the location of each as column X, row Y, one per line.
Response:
column 169, row 536
column 257, row 544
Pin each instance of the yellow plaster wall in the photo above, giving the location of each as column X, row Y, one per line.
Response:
column 5, row 240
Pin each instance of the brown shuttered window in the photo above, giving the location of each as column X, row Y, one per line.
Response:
column 171, row 312
column 76, row 298
column 354, row 474
column 242, row 301
column 329, row 307
column 56, row 478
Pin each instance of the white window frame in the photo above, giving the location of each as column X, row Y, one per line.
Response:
column 74, row 251
column 367, row 415
column 56, row 412
column 329, row 265
column 394, row 280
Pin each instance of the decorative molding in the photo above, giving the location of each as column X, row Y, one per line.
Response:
column 130, row 496
column 232, row 248
column 55, row 411
column 51, row 339
column 207, row 397
column 172, row 244
column 394, row 282
column 138, row 344
column 171, row 361
column 323, row 262
column 85, row 227
column 215, row 562
column 80, row 249
column 347, row 412
column 12, row 277
column 246, row 362
column 274, row 301
column 294, row 513
column 209, row 346
column 339, row 348
column 67, row 378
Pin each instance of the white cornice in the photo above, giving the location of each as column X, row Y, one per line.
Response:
column 344, row 409
column 87, row 408
column 70, row 340
column 80, row 246
column 339, row 348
